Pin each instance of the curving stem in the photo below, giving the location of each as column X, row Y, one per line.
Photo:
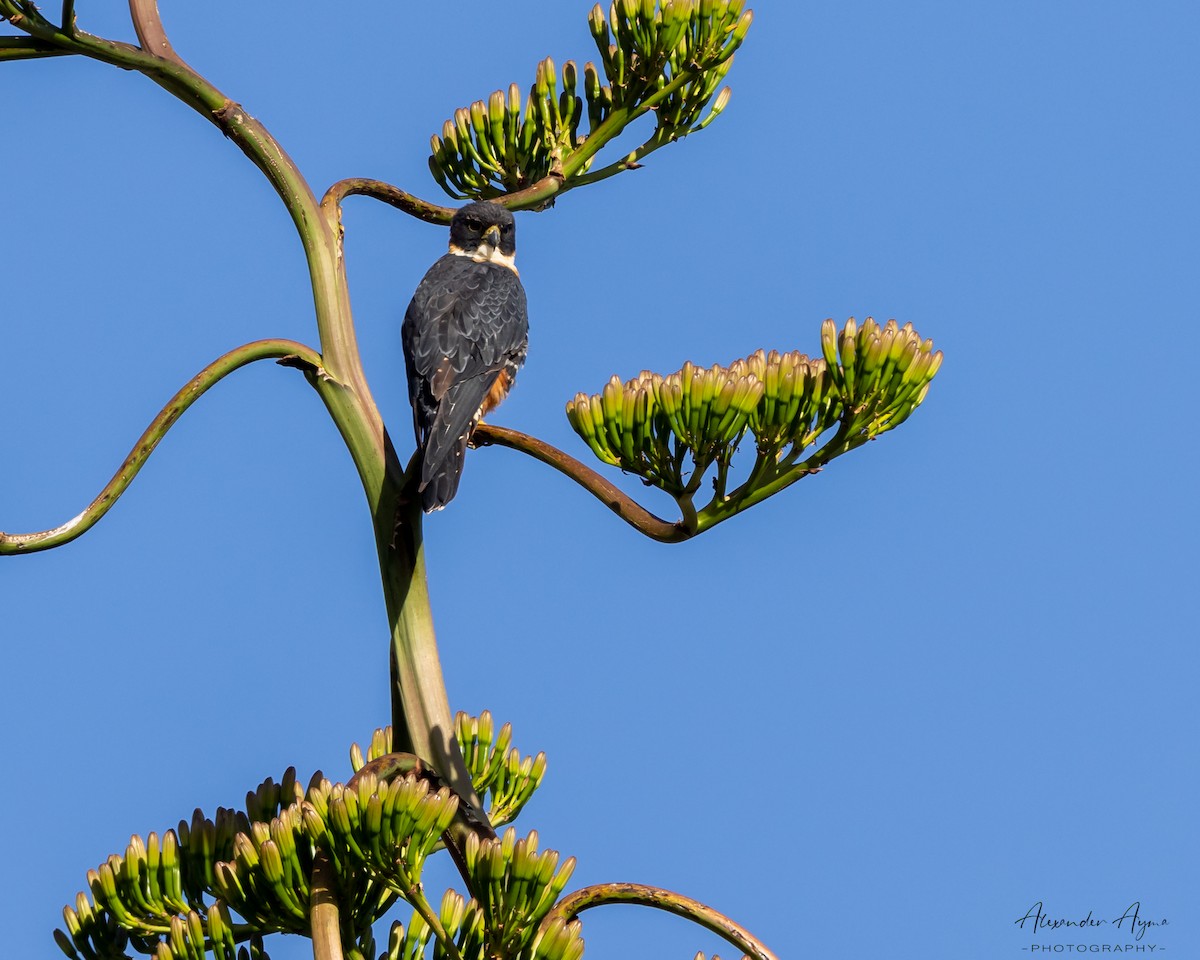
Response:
column 216, row 371
column 535, row 196
column 393, row 196
column 641, row 894
column 420, row 705
column 624, row 506
column 150, row 33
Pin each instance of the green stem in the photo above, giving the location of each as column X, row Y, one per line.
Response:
column 640, row 894
column 28, row 48
column 423, row 708
column 687, row 512
column 618, row 120
column 323, row 910
column 417, row 898
column 421, row 720
column 747, row 496
column 189, row 394
column 631, row 162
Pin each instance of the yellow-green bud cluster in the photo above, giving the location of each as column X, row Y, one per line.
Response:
column 870, row 379
column 410, row 943
column 172, row 897
column 645, row 46
column 516, row 886
column 391, row 827
column 266, row 880
column 559, row 941
column 797, row 402
column 211, row 885
column 269, row 799
column 92, row 933
column 669, row 57
column 881, row 373
column 498, row 772
column 496, row 767
column 462, row 923
column 380, row 746
column 646, row 425
column 157, row 895
column 491, row 147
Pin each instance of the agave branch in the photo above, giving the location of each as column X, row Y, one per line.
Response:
column 419, row 701
column 666, row 59
column 624, row 506
column 28, row 48
column 171, row 73
column 288, row 352
column 672, row 430
column 389, row 194
column 636, row 893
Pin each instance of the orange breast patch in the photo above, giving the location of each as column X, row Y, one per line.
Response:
column 498, row 392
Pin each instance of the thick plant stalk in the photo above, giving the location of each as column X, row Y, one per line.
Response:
column 323, row 911
column 420, row 705
column 420, row 709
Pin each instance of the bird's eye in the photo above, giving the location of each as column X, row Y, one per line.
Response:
column 473, row 224
column 506, row 229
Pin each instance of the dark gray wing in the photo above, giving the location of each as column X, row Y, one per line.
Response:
column 466, row 324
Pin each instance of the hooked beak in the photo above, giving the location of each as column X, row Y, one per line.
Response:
column 491, row 236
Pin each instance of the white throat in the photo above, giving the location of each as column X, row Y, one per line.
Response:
column 486, row 253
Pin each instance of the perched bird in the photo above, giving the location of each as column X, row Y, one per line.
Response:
column 465, row 334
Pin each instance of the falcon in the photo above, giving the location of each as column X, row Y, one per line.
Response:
column 465, row 334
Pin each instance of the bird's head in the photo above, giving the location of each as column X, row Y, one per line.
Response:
column 484, row 231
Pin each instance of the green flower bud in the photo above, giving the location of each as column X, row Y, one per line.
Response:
column 742, row 28
column 64, row 944
column 195, row 930
column 597, row 25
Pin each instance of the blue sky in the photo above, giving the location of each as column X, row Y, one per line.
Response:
column 882, row 713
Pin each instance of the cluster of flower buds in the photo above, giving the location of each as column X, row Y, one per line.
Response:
column 380, row 745
column 797, row 404
column 517, row 885
column 653, row 53
column 497, row 768
column 461, row 923
column 670, row 430
column 388, row 826
column 267, row 878
column 648, row 424
column 881, row 373
column 665, row 56
column 490, row 148
column 172, row 897
column 499, row 774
